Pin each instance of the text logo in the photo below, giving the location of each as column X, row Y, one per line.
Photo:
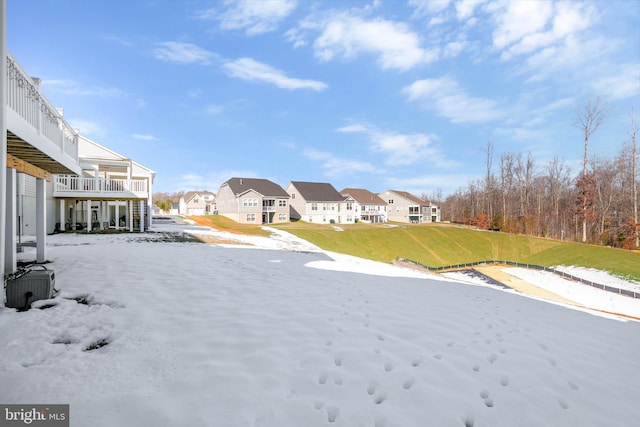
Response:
column 34, row 415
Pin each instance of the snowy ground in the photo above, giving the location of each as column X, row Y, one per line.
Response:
column 176, row 333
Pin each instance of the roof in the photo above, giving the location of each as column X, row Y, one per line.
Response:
column 317, row 191
column 263, row 186
column 191, row 194
column 362, row 196
column 411, row 197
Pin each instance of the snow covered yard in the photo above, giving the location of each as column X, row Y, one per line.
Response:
column 171, row 333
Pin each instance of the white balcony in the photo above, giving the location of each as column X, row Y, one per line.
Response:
column 36, row 132
column 69, row 186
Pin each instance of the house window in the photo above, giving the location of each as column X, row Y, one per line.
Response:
column 282, row 203
column 282, row 217
column 314, row 206
column 390, row 201
column 195, row 201
column 324, row 218
column 349, row 206
column 293, row 196
column 249, row 202
column 414, row 210
column 251, row 217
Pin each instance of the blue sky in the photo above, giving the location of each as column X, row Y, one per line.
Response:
column 389, row 94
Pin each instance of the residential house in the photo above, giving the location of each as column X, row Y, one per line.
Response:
column 55, row 178
column 319, row 202
column 253, row 201
column 367, row 206
column 112, row 191
column 197, row 203
column 405, row 207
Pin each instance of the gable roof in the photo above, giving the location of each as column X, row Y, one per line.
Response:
column 317, row 191
column 263, row 186
column 411, row 197
column 191, row 194
column 363, row 196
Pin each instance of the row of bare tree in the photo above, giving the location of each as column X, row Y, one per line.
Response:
column 598, row 205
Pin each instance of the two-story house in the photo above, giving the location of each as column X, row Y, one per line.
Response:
column 112, row 191
column 367, row 206
column 319, row 202
column 253, row 201
column 405, row 207
column 197, row 203
column 56, row 179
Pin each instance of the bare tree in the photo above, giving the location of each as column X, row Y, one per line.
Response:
column 633, row 133
column 489, row 181
column 557, row 179
column 590, row 117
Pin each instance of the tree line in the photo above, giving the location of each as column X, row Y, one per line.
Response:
column 166, row 200
column 597, row 205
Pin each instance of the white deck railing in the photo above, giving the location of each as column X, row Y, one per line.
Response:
column 25, row 98
column 77, row 184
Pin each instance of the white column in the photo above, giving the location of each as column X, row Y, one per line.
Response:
column 101, row 215
column 142, row 205
column 150, row 198
column 130, row 205
column 10, row 229
column 89, row 216
column 62, row 215
column 41, row 220
column 3, row 133
column 117, row 219
column 74, row 216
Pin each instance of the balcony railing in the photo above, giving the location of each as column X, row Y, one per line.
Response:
column 25, row 98
column 77, row 185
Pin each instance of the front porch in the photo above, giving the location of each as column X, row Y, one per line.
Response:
column 88, row 215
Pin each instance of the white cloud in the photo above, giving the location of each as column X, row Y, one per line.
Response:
column 524, row 27
column 428, row 184
column 621, row 81
column 250, row 69
column 402, row 149
column 118, row 40
column 465, row 8
column 255, row 17
column 449, row 100
column 348, row 35
column 336, row 166
column 70, row 87
column 184, row 53
column 210, row 181
column 144, row 137
column 424, row 7
column 214, row 109
column 353, row 128
column 86, row 127
column 453, row 49
column 520, row 19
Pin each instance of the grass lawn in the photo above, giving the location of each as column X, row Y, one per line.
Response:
column 439, row 245
column 225, row 224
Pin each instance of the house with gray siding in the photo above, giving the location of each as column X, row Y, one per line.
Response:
column 253, row 201
column 405, row 207
column 319, row 202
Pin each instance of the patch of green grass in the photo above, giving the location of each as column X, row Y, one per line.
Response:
column 441, row 245
column 225, row 224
